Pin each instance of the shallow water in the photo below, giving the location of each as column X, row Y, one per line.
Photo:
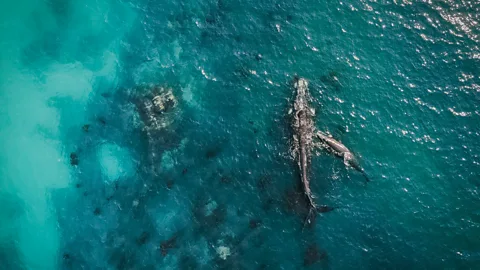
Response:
column 396, row 81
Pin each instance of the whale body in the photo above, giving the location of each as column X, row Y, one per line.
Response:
column 340, row 150
column 303, row 134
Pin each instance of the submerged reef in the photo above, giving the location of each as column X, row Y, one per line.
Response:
column 158, row 110
column 152, row 112
column 155, row 108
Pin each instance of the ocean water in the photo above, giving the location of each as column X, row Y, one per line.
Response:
column 397, row 81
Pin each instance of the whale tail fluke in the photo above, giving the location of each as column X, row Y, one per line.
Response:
column 315, row 210
column 308, row 220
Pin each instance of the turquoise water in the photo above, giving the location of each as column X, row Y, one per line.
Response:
column 397, row 81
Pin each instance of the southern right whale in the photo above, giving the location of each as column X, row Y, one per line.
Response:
column 304, row 131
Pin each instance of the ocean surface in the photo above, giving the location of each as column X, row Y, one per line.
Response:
column 84, row 186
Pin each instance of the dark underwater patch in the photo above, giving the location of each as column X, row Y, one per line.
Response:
column 187, row 262
column 143, row 238
column 74, row 159
column 264, row 182
column 254, row 223
column 102, row 120
column 332, row 80
column 212, row 152
column 170, row 183
column 168, row 244
column 313, row 255
column 225, row 179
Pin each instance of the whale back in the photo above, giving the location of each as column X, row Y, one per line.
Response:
column 334, row 144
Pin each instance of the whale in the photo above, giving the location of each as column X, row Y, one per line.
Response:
column 340, row 150
column 303, row 127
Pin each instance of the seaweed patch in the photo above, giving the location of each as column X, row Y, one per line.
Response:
column 264, row 182
column 254, row 223
column 86, row 127
column 143, row 238
column 102, row 120
column 211, row 153
column 170, row 184
column 168, row 244
column 74, row 159
column 225, row 179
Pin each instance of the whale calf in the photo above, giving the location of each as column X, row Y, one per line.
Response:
column 340, row 150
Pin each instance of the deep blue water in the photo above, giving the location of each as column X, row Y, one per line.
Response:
column 397, row 81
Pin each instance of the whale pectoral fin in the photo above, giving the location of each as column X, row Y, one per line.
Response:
column 367, row 179
column 324, row 136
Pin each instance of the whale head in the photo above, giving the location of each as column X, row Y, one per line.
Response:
column 301, row 85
